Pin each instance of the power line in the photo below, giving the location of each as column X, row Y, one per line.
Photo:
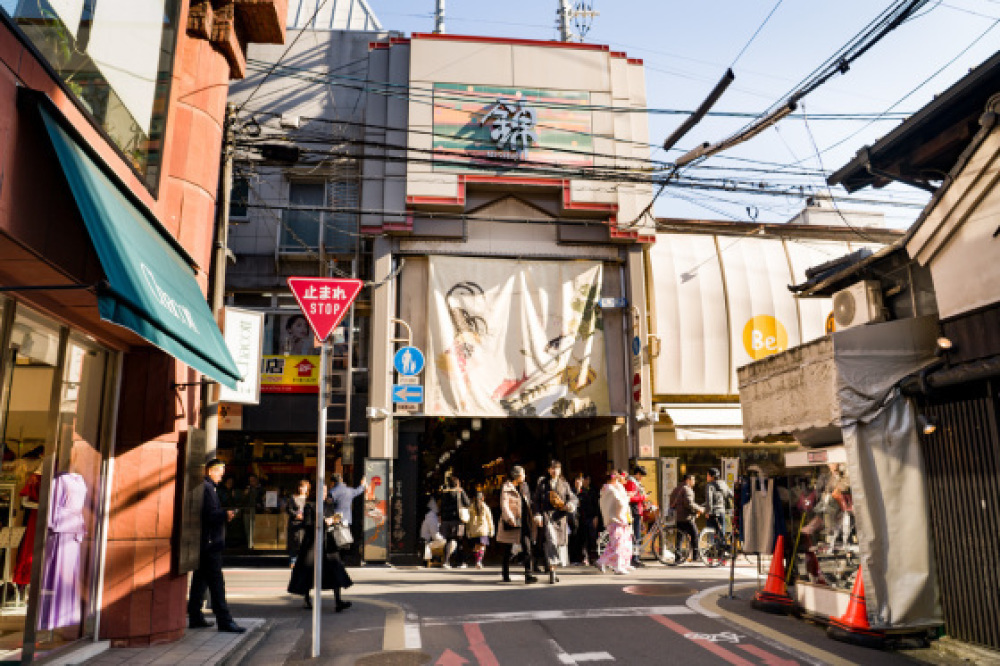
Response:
column 755, row 33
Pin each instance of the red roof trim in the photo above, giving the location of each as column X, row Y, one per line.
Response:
column 635, row 61
column 502, row 40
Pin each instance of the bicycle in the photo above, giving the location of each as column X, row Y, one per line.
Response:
column 713, row 547
column 657, row 537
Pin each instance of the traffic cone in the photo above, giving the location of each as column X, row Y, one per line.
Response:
column 853, row 626
column 774, row 597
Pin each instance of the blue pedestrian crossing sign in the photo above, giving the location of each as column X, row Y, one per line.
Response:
column 408, row 361
column 407, row 395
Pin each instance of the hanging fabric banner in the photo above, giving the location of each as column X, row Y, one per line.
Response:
column 510, row 338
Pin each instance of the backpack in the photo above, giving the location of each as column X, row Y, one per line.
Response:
column 677, row 498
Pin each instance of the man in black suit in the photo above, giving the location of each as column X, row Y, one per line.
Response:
column 208, row 575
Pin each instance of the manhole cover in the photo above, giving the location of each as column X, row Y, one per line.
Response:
column 660, row 590
column 395, row 658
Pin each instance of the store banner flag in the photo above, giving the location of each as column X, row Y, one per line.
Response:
column 289, row 374
column 324, row 301
column 511, row 338
column 244, row 333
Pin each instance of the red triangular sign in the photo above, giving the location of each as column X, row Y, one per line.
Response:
column 324, row 301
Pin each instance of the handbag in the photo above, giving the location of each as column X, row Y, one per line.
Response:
column 342, row 535
column 463, row 514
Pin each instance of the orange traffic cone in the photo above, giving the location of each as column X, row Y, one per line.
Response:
column 774, row 597
column 853, row 626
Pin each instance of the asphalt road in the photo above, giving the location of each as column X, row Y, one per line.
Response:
column 450, row 618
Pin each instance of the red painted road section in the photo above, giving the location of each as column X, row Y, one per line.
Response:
column 767, row 657
column 477, row 645
column 449, row 658
column 718, row 650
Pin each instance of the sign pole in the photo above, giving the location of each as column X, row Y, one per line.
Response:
column 317, row 610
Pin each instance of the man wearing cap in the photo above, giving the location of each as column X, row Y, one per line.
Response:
column 208, row 575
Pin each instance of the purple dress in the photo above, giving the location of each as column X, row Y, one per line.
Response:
column 60, row 599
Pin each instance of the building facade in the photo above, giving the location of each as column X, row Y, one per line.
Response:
column 113, row 117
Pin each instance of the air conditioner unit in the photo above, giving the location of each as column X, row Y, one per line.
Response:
column 860, row 303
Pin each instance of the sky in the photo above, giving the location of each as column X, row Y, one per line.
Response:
column 687, row 46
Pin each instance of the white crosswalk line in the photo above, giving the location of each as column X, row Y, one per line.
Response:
column 547, row 615
column 575, row 659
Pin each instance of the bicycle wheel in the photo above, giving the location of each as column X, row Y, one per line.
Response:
column 712, row 549
column 661, row 548
column 603, row 539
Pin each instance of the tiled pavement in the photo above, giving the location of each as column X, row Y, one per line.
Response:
column 204, row 647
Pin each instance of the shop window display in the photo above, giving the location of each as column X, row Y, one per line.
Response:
column 823, row 509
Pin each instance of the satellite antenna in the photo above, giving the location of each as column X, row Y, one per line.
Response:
column 574, row 24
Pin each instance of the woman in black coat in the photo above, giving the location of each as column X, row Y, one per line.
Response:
column 335, row 576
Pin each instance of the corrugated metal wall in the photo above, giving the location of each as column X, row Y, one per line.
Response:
column 963, row 468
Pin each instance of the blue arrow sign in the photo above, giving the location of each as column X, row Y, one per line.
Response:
column 407, row 395
column 408, row 361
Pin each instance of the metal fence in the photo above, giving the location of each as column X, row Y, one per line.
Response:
column 963, row 469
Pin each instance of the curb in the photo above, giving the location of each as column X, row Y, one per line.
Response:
column 247, row 645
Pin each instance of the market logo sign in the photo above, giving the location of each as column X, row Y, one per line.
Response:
column 763, row 336
column 168, row 302
column 512, row 126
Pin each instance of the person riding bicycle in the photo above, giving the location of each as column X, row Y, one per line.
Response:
column 717, row 493
column 682, row 501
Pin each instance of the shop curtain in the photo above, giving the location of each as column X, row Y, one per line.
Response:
column 512, row 338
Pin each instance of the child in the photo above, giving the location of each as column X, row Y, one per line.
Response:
column 480, row 527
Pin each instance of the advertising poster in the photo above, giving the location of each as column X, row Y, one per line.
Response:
column 376, row 523
column 289, row 374
column 295, row 337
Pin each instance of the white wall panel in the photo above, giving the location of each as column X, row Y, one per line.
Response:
column 757, row 278
column 690, row 316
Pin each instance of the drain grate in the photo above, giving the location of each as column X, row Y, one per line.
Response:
column 660, row 590
column 395, row 658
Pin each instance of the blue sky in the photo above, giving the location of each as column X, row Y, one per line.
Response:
column 686, row 47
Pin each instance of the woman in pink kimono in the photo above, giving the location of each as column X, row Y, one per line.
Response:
column 617, row 518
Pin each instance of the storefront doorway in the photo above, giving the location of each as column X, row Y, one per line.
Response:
column 54, row 420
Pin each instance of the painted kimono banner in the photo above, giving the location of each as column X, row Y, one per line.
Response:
column 511, row 338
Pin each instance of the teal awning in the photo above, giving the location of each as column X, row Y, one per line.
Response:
column 151, row 289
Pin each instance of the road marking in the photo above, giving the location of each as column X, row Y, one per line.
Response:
column 775, row 639
column 411, row 632
column 547, row 615
column 718, row 650
column 768, row 658
column 449, row 658
column 575, row 659
column 477, row 645
column 724, row 637
column 394, row 637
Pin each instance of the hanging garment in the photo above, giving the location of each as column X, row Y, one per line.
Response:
column 60, row 592
column 22, row 565
column 758, row 518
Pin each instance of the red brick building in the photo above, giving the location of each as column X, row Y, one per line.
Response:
column 111, row 122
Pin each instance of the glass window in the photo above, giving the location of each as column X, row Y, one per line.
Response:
column 341, row 228
column 302, row 219
column 239, row 196
column 116, row 57
column 72, row 545
column 823, row 508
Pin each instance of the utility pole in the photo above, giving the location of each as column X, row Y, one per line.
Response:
column 582, row 14
column 210, row 393
column 439, row 17
column 565, row 34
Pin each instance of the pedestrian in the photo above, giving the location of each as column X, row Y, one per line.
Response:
column 636, row 505
column 454, row 513
column 617, row 554
column 295, row 507
column 208, row 576
column 584, row 536
column 343, row 496
column 253, row 501
column 227, row 493
column 335, row 576
column 717, row 493
column 682, row 501
column 554, row 501
column 480, row 528
column 430, row 532
column 517, row 524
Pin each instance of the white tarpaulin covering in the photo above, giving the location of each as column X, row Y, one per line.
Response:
column 510, row 338
column 705, row 421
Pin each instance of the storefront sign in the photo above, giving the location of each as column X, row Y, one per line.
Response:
column 244, row 331
column 490, row 124
column 230, row 416
column 376, row 523
column 763, row 336
column 289, row 374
